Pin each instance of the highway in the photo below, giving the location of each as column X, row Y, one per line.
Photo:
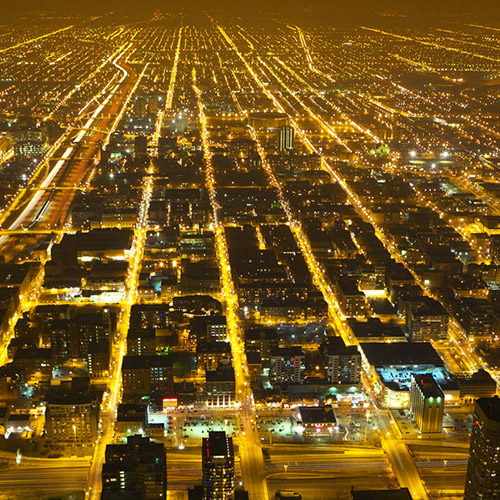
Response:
column 47, row 209
column 36, row 477
column 321, row 469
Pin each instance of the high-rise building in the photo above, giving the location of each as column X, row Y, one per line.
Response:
column 483, row 470
column 287, row 365
column 72, row 417
column 343, row 363
column 140, row 107
column 285, row 138
column 138, row 467
column 426, row 403
column 217, row 457
column 140, row 147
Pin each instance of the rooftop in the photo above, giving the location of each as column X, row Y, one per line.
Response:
column 402, row 494
column 401, row 353
column 217, row 445
column 317, row 415
column 428, row 385
column 490, row 407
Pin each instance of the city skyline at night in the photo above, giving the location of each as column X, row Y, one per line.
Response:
column 250, row 251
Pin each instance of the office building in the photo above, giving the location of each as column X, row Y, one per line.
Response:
column 71, row 418
column 343, row 363
column 285, row 138
column 426, row 403
column 483, row 470
column 217, row 457
column 138, row 467
column 287, row 365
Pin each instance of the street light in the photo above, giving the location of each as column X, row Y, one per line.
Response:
column 442, row 479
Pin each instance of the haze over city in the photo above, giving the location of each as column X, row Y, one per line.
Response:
column 249, row 251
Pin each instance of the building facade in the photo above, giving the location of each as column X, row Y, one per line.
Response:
column 483, row 469
column 138, row 467
column 287, row 365
column 72, row 420
column 426, row 403
column 217, row 456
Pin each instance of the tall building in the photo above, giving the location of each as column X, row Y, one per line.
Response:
column 72, row 418
column 140, row 107
column 343, row 363
column 140, row 147
column 426, row 403
column 287, row 365
column 285, row 138
column 138, row 467
column 217, row 457
column 147, row 375
column 483, row 470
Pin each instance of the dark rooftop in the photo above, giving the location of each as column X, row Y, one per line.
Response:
column 217, row 445
column 317, row 415
column 490, row 407
column 428, row 386
column 401, row 353
column 402, row 494
column 140, row 362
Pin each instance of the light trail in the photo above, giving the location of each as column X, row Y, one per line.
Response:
column 50, row 155
column 173, row 74
column 35, row 199
column 431, row 44
column 27, row 42
column 119, row 349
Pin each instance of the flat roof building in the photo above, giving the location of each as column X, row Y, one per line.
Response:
column 483, row 470
column 426, row 403
column 139, row 466
column 217, row 456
